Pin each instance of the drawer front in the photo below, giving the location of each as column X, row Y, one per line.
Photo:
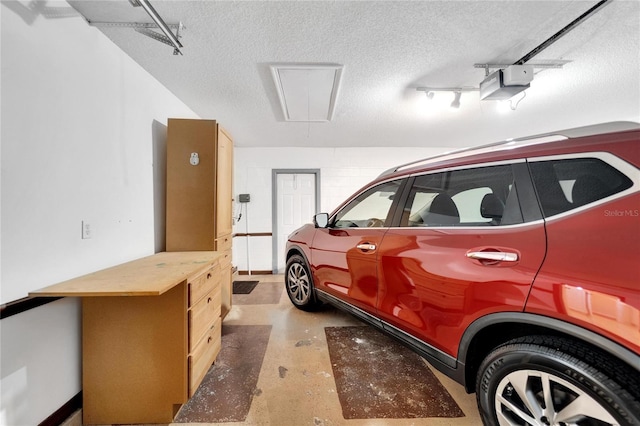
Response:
column 202, row 315
column 225, row 261
column 203, row 356
column 202, row 284
column 224, row 243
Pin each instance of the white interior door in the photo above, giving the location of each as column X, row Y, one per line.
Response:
column 296, row 201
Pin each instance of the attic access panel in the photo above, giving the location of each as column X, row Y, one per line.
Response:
column 307, row 92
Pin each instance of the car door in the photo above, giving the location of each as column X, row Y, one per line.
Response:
column 344, row 254
column 463, row 248
column 591, row 272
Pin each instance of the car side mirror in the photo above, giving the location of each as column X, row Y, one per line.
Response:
column 321, row 220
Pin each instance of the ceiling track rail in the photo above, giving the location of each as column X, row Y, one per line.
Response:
column 544, row 64
column 548, row 42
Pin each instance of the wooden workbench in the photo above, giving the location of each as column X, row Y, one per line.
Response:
column 150, row 332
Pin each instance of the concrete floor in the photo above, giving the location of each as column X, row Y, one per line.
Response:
column 295, row 382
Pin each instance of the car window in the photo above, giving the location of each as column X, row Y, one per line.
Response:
column 468, row 202
column 371, row 209
column 567, row 184
column 483, row 196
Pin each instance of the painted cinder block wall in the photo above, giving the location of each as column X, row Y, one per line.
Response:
column 342, row 172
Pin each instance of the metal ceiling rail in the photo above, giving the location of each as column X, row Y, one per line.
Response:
column 548, row 42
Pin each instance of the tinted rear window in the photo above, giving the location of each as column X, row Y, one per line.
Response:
column 567, row 184
column 483, row 196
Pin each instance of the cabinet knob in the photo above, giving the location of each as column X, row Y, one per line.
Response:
column 209, row 300
column 209, row 339
column 209, row 276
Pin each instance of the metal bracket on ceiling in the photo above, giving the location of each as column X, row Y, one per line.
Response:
column 544, row 64
column 168, row 37
column 161, row 37
column 146, row 29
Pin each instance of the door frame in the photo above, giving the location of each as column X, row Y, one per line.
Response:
column 274, row 206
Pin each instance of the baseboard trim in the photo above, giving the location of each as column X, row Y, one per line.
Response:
column 22, row 305
column 253, row 234
column 64, row 412
column 255, row 273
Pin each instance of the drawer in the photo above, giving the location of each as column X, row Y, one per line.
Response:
column 203, row 283
column 202, row 315
column 225, row 261
column 224, row 243
column 203, row 356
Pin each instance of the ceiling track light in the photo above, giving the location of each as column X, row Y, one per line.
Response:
column 456, row 100
column 457, row 93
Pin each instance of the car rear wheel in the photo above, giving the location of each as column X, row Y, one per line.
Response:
column 541, row 380
column 299, row 284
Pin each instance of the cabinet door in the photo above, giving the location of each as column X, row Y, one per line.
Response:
column 191, row 184
column 224, row 185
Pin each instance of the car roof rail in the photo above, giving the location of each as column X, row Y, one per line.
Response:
column 595, row 129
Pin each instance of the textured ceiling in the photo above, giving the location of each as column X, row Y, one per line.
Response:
column 388, row 49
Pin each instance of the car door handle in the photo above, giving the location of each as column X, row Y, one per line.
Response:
column 366, row 246
column 493, row 256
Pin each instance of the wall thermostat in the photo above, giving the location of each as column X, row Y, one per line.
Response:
column 244, row 198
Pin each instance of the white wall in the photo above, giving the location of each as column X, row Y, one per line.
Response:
column 82, row 139
column 342, row 172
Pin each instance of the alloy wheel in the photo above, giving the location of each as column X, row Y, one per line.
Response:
column 531, row 397
column 298, row 283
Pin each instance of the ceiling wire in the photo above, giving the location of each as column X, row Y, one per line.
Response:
column 514, row 107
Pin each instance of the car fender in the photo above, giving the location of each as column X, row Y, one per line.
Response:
column 299, row 249
column 541, row 323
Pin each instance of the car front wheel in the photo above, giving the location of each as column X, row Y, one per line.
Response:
column 542, row 380
column 299, row 284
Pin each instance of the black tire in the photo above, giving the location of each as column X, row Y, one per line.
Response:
column 514, row 380
column 299, row 284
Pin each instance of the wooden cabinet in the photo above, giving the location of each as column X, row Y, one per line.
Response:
column 150, row 331
column 200, row 192
column 204, row 323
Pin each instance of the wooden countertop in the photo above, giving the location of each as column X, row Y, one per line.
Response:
column 148, row 276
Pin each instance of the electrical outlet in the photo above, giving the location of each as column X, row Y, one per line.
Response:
column 87, row 231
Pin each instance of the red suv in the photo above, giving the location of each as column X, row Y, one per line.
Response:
column 513, row 268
